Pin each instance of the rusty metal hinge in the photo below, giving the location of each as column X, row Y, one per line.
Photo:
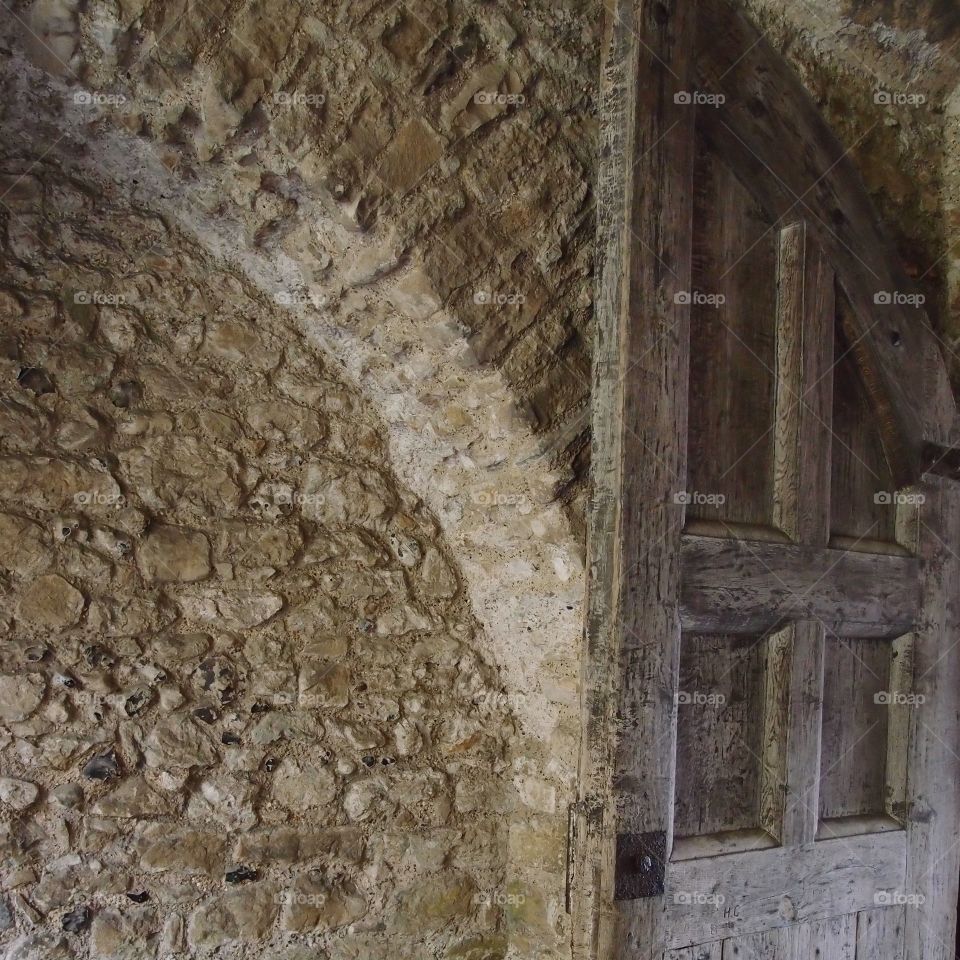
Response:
column 640, row 865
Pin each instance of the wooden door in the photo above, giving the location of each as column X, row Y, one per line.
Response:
column 770, row 763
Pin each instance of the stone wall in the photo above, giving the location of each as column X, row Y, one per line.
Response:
column 244, row 704
column 349, row 375
column 462, row 132
column 463, row 135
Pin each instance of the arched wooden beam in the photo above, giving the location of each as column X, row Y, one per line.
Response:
column 769, row 129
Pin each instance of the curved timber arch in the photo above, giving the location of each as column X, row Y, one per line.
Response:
column 773, row 530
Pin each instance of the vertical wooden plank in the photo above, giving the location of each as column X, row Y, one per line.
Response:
column 833, row 939
column 591, row 878
column 880, row 933
column 805, row 319
column 860, row 470
column 898, row 726
column 804, row 401
column 776, row 726
column 803, row 735
column 719, row 734
column 933, row 765
column 853, row 772
column 639, row 397
column 732, row 350
column 771, row 945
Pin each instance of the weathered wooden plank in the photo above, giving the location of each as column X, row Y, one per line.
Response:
column 804, row 397
column 805, row 321
column 933, row 765
column 795, row 165
column 803, row 733
column 856, row 711
column 722, row 843
column 704, row 951
column 719, row 733
column 772, row 945
column 591, row 879
column 734, row 531
column 639, row 396
column 898, row 726
column 739, row 586
column 880, row 933
column 834, row 938
column 732, row 350
column 862, row 489
column 856, row 826
column 745, row 893
column 776, row 727
column 655, row 351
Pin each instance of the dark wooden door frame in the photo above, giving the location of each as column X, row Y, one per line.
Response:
column 651, row 74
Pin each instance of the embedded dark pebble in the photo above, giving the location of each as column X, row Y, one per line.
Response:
column 97, row 656
column 126, row 394
column 240, row 875
column 140, row 896
column 260, row 708
column 205, row 714
column 104, row 767
column 136, row 702
column 270, row 764
column 76, row 921
column 36, row 379
column 369, row 761
column 230, row 739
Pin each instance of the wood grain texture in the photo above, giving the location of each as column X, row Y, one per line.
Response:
column 803, row 733
column 898, row 726
column 776, row 730
column 804, row 388
column 834, row 938
column 637, row 554
column 732, row 362
column 880, row 933
column 772, row 945
column 933, row 765
column 592, row 875
column 853, row 771
column 719, row 734
column 750, row 587
column 772, row 132
column 639, row 391
column 860, row 473
column 763, row 890
column 655, row 352
column 705, row 951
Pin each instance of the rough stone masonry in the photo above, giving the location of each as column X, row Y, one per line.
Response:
column 295, row 305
